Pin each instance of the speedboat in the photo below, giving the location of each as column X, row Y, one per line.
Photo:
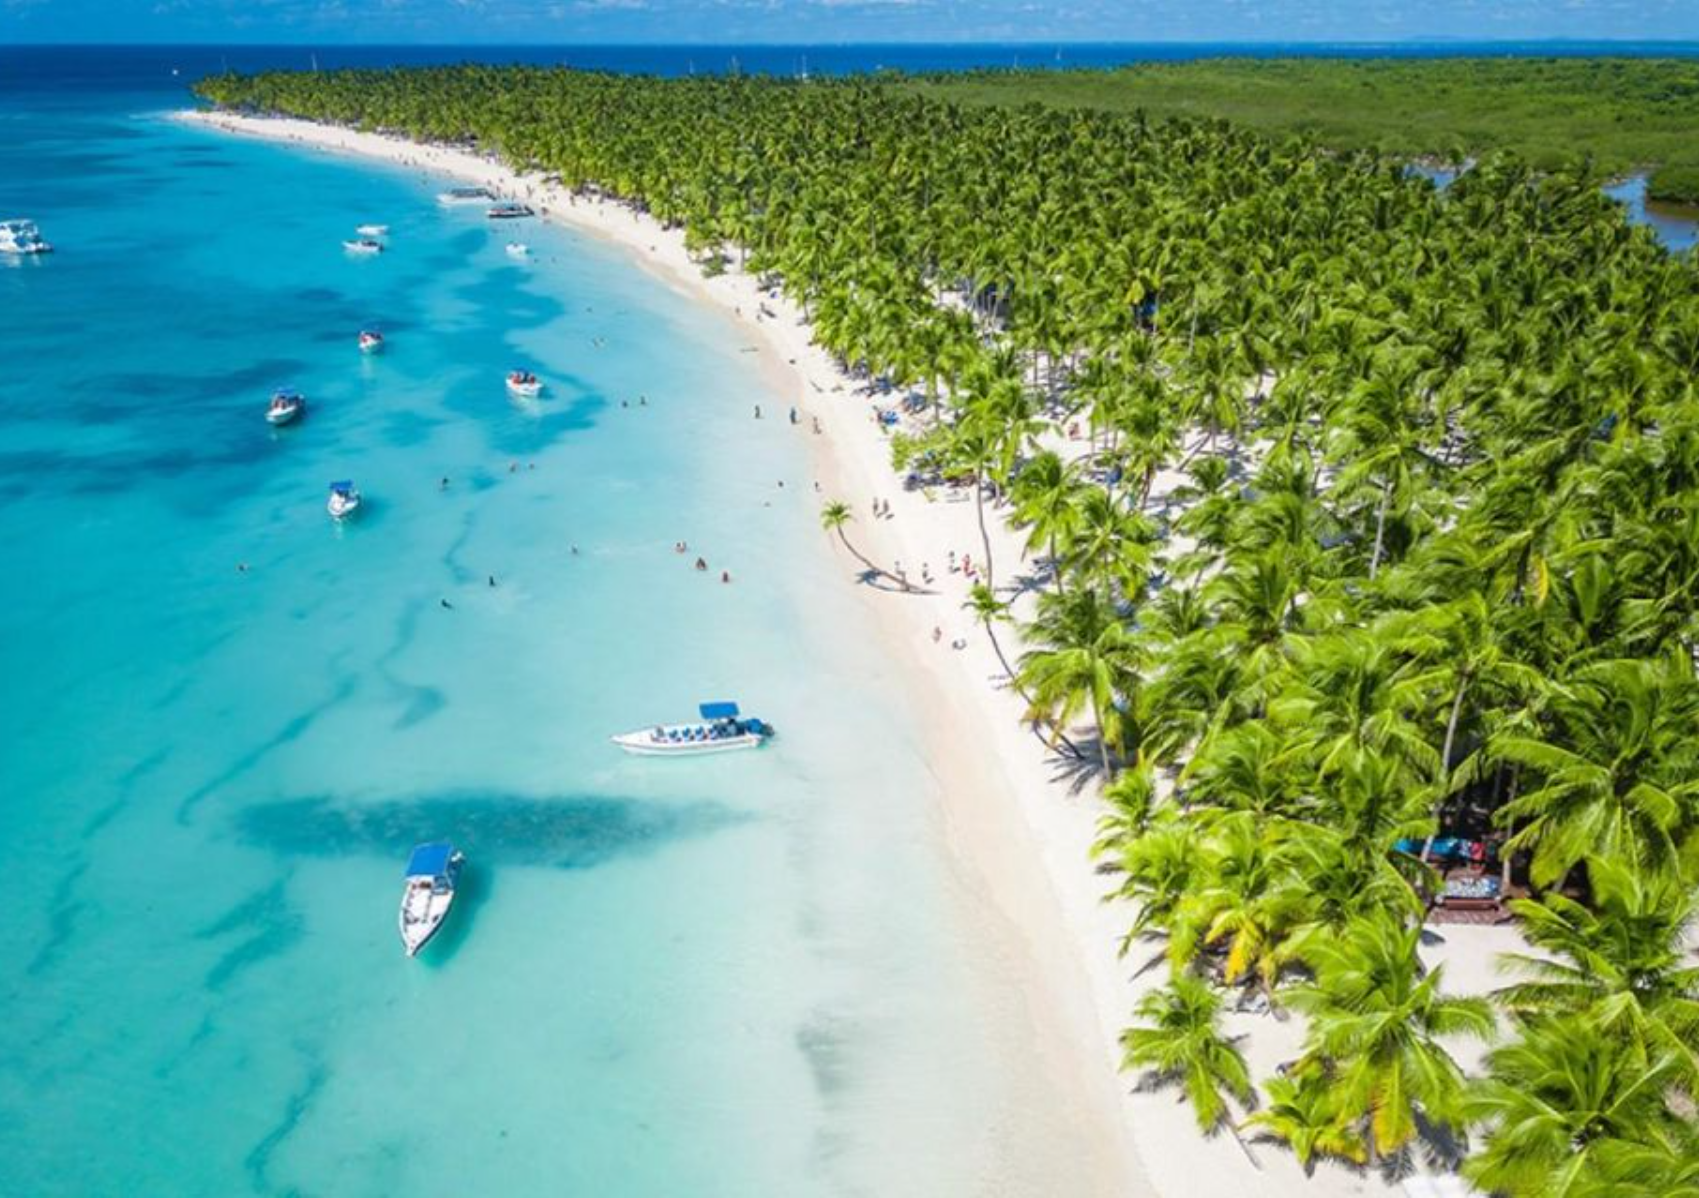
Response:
column 285, row 406
column 465, row 195
column 21, row 237
column 363, row 245
column 517, row 249
column 371, row 341
column 344, row 500
column 524, row 384
column 720, row 730
column 371, row 230
column 432, row 873
column 508, row 212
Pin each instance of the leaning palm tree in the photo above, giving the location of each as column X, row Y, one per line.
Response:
column 1181, row 1041
column 834, row 518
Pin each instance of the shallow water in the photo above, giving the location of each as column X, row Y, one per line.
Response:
column 758, row 974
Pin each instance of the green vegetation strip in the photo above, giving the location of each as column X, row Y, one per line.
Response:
column 1624, row 113
column 1375, row 545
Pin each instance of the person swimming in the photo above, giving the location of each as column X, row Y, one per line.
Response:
column 701, row 564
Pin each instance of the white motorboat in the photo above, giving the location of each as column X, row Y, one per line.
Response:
column 344, row 500
column 508, row 211
column 518, row 249
column 524, row 384
column 433, row 871
column 285, row 406
column 363, row 245
column 465, row 195
column 372, row 230
column 720, row 730
column 371, row 341
column 21, row 237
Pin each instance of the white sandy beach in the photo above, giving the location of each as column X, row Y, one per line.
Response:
column 1016, row 826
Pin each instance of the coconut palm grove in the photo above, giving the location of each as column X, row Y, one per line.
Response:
column 1364, row 521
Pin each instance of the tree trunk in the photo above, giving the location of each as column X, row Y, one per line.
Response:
column 979, row 512
column 1380, row 529
column 1445, row 762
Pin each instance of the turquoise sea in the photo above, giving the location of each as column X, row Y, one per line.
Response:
column 755, row 975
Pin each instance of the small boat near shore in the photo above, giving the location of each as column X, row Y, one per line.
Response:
column 509, row 211
column 363, row 245
column 22, row 237
column 286, row 406
column 371, row 341
column 524, row 384
column 720, row 730
column 344, row 500
column 433, row 872
column 372, row 230
column 456, row 196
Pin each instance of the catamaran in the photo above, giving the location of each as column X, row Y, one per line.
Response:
column 524, row 384
column 21, row 237
column 286, row 405
column 508, row 211
column 344, row 500
column 363, row 245
column 465, row 195
column 720, row 730
column 371, row 341
column 432, row 873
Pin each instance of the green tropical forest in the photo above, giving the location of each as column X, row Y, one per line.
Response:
column 1621, row 113
column 1374, row 562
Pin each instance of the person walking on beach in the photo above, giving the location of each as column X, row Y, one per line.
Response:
column 757, row 411
column 793, row 414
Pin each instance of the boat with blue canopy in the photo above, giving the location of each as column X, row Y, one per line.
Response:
column 433, row 871
column 721, row 729
column 344, row 500
column 286, row 405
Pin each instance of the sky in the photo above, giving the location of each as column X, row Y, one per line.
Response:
column 824, row 21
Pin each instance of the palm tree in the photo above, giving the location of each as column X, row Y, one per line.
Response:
column 1377, row 1021
column 1181, row 1041
column 834, row 518
column 1623, row 963
column 1084, row 659
column 1559, row 1098
column 1618, row 768
column 1305, row 1113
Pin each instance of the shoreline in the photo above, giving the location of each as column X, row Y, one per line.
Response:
column 1015, row 825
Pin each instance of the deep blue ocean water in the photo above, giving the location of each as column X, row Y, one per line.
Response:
column 761, row 974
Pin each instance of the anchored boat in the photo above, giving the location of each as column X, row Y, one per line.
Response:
column 524, row 384
column 508, row 212
column 21, row 237
column 518, row 249
column 285, row 406
column 371, row 341
column 433, row 871
column 720, row 730
column 363, row 245
column 344, row 500
column 465, row 195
